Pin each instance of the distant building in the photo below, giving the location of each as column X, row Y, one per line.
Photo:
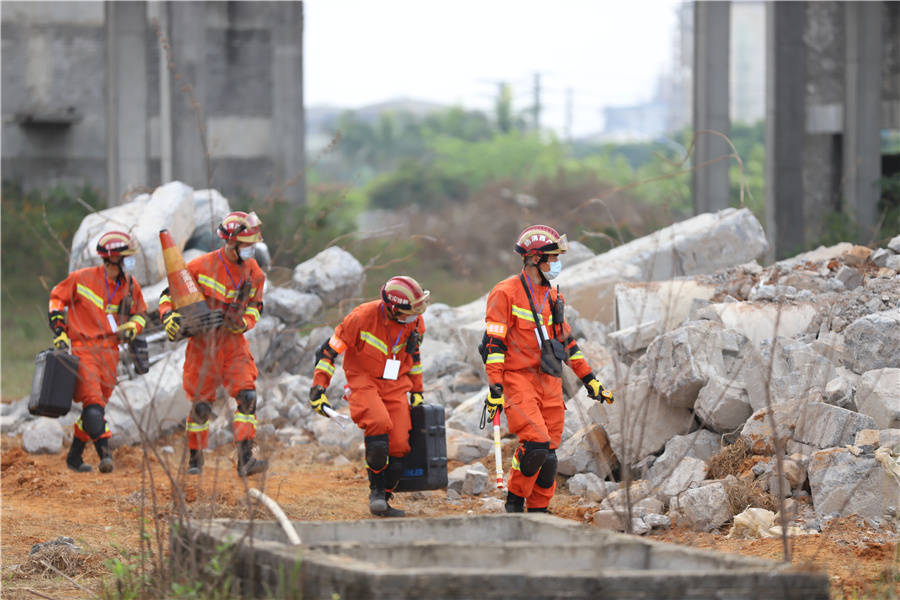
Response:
column 88, row 95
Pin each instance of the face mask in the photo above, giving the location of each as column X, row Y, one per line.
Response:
column 246, row 252
column 555, row 269
column 408, row 318
column 128, row 263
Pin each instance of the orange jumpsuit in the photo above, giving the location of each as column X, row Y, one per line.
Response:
column 535, row 409
column 220, row 357
column 93, row 314
column 377, row 405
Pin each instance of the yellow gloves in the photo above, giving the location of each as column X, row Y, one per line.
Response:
column 494, row 402
column 318, row 400
column 61, row 341
column 415, row 399
column 238, row 327
column 172, row 321
column 127, row 331
column 596, row 390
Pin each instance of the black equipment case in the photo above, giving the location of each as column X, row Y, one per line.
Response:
column 425, row 467
column 53, row 386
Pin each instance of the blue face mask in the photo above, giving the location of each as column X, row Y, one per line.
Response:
column 246, row 252
column 128, row 263
column 555, row 269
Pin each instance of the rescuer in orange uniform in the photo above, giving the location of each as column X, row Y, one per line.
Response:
column 524, row 372
column 381, row 339
column 222, row 356
column 92, row 310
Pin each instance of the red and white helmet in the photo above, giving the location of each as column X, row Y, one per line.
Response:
column 404, row 295
column 538, row 240
column 116, row 243
column 241, row 227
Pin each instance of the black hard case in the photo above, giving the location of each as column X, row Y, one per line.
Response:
column 425, row 467
column 53, row 386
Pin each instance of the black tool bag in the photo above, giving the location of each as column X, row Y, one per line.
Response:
column 553, row 353
column 53, row 386
column 425, row 467
column 139, row 351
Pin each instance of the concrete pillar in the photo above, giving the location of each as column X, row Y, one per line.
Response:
column 127, row 141
column 785, row 126
column 187, row 35
column 288, row 113
column 712, row 25
column 862, row 115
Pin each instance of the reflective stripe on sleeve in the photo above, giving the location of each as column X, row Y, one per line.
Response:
column 211, row 283
column 253, row 312
column 324, row 365
column 416, row 369
column 139, row 320
column 495, row 358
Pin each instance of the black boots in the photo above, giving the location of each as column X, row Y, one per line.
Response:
column 246, row 463
column 378, row 497
column 514, row 503
column 195, row 462
column 106, row 461
column 73, row 459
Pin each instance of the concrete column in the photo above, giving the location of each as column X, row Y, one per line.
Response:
column 785, row 126
column 712, row 26
column 187, row 35
column 160, row 12
column 127, row 141
column 862, row 115
column 288, row 112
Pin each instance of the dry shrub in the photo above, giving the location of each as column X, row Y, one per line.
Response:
column 729, row 460
column 63, row 558
column 743, row 495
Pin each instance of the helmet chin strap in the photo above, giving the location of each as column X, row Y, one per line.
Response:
column 537, row 265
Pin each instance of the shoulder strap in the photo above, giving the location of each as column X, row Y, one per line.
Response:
column 537, row 320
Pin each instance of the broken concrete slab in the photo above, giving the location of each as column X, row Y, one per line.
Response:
column 587, row 451
column 765, row 320
column 466, row 447
column 826, row 426
column 704, row 508
column 873, row 341
column 845, row 484
column 591, row 486
column 878, row 396
column 687, row 472
column 666, row 303
column 721, row 405
column 640, row 422
column 700, row 444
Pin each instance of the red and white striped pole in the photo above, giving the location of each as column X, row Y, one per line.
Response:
column 498, row 458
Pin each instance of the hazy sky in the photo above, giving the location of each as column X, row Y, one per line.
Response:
column 609, row 52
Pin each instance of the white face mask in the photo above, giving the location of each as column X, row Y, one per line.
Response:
column 128, row 263
column 407, row 318
column 246, row 252
column 555, row 269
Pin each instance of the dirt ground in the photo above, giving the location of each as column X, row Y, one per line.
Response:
column 42, row 500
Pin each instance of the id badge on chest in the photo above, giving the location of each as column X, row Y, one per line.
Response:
column 111, row 319
column 537, row 334
column 391, row 369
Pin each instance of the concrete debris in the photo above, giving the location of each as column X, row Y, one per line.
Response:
column 700, row 343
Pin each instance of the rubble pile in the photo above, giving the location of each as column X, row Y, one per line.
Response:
column 703, row 346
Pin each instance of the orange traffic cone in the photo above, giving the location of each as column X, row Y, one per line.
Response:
column 184, row 291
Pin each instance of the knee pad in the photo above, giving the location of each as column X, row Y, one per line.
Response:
column 201, row 411
column 377, row 452
column 246, row 401
column 93, row 420
column 533, row 456
column 547, row 474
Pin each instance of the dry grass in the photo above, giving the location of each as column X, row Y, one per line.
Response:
column 743, row 495
column 64, row 559
column 729, row 460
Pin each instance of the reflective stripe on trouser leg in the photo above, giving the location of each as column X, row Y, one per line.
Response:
column 244, row 426
column 198, row 434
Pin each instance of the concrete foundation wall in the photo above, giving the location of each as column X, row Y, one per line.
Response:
column 502, row 556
